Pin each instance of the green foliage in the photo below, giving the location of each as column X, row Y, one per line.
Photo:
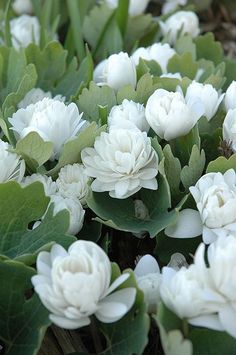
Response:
column 222, row 164
column 192, row 172
column 208, row 48
column 172, row 170
column 34, row 150
column 19, row 207
column 130, row 334
column 183, row 64
column 90, row 99
column 23, row 318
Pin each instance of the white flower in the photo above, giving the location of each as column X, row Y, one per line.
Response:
column 73, row 182
column 128, row 115
column 222, row 284
column 170, row 115
column 171, row 5
column 136, row 7
column 51, row 119
column 22, row 7
column 159, row 52
column 148, row 277
column 229, row 128
column 187, row 292
column 24, row 29
column 122, row 162
column 215, row 197
column 208, row 96
column 35, row 95
column 11, row 166
column 179, row 24
column 74, row 285
column 116, row 71
column 75, row 209
column 230, row 96
column 50, row 187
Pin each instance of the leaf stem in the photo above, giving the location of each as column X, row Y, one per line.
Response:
column 95, row 335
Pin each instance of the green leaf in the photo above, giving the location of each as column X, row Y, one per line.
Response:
column 19, row 207
column 145, row 88
column 130, row 334
column 185, row 44
column 71, row 152
column 207, row 341
column 208, row 48
column 138, row 28
column 34, row 150
column 23, row 321
column 75, row 78
column 230, row 71
column 95, row 96
column 48, row 74
column 121, row 215
column 222, row 164
column 193, row 171
column 167, row 318
column 172, row 170
column 183, row 64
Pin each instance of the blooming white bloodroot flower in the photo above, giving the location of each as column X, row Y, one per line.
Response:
column 75, row 285
column 122, row 162
column 50, row 187
column 180, row 23
column 170, row 115
column 136, row 7
column 208, row 95
column 24, row 30
column 53, row 120
column 186, row 292
column 229, row 128
column 35, row 95
column 148, row 277
column 72, row 182
column 75, row 209
column 171, row 5
column 22, row 7
column 116, row 71
column 12, row 167
column 159, row 52
column 128, row 115
column 203, row 294
column 215, row 197
column 230, row 97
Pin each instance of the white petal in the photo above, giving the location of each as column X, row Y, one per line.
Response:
column 227, row 316
column 66, row 323
column 146, row 265
column 188, row 225
column 210, row 321
column 57, row 250
column 122, row 278
column 116, row 305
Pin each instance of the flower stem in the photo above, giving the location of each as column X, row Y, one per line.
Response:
column 185, row 328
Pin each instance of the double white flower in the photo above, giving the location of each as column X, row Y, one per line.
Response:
column 215, row 197
column 180, row 23
column 51, row 119
column 161, row 53
column 122, row 162
column 205, row 295
column 76, row 284
column 24, row 30
column 11, row 166
column 117, row 71
column 208, row 95
column 129, row 115
column 171, row 115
